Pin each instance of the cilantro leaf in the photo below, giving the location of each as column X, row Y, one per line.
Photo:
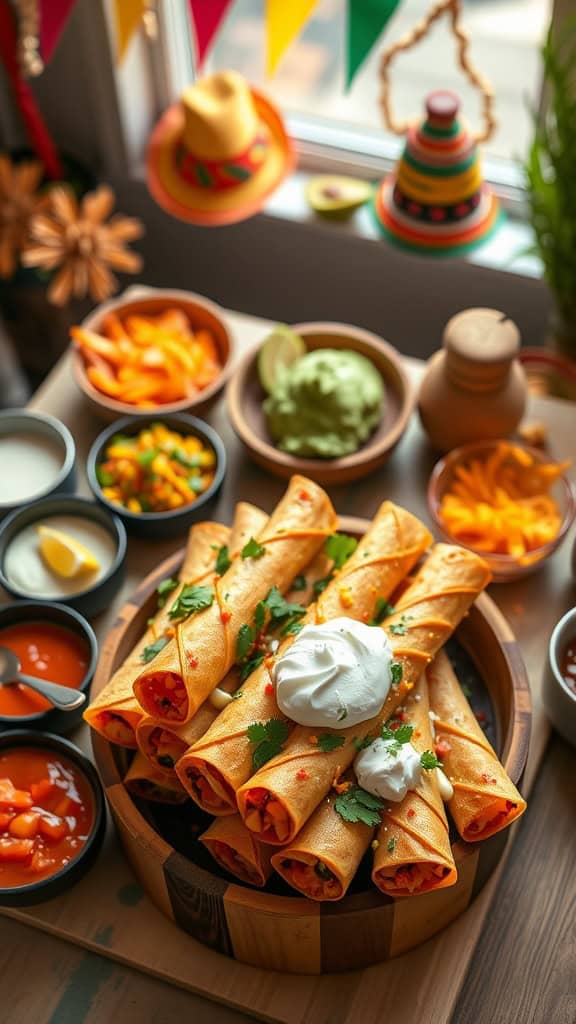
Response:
column 396, row 673
column 401, row 735
column 246, row 637
column 292, row 628
column 223, row 560
column 152, row 650
column 269, row 738
column 339, row 547
column 259, row 616
column 320, row 585
column 361, row 744
column 328, row 741
column 192, row 598
column 299, row 583
column 355, row 805
column 428, row 760
column 251, row 665
column 252, row 549
column 237, row 695
column 382, row 609
column 164, row 588
column 400, row 628
column 278, row 607
column 391, row 844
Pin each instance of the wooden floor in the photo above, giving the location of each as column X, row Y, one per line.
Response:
column 530, row 915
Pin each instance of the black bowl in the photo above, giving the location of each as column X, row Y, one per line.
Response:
column 94, row 599
column 47, row 888
column 159, row 525
column 41, row 425
column 53, row 719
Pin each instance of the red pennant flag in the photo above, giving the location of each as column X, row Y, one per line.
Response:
column 206, row 18
column 53, row 17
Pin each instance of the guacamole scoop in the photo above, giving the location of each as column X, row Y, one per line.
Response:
column 325, row 404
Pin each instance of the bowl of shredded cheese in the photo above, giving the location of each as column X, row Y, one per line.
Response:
column 508, row 502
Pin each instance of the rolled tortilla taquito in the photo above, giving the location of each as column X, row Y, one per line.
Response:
column 236, row 850
column 485, row 800
column 217, row 765
column 205, row 645
column 115, row 712
column 148, row 783
column 414, row 853
column 276, row 802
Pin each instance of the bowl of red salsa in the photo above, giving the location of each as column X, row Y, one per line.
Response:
column 559, row 683
column 52, row 642
column 52, row 816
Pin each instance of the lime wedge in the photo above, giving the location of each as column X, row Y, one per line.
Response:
column 279, row 350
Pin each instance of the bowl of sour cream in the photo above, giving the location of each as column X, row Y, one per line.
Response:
column 37, row 458
column 62, row 549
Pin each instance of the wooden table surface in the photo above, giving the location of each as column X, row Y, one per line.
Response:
column 523, row 970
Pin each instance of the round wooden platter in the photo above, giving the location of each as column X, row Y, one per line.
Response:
column 245, row 397
column 275, row 928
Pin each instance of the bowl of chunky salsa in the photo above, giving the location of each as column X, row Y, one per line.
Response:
column 52, row 816
column 51, row 642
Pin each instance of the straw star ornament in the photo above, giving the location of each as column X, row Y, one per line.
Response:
column 76, row 239
column 19, row 202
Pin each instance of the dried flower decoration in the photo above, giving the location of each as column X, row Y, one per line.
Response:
column 75, row 238
column 19, row 201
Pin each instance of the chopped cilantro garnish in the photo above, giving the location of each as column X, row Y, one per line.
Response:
column 237, row 695
column 164, row 588
column 269, row 738
column 246, row 637
column 391, row 844
column 299, row 583
column 191, row 598
column 428, row 760
column 339, row 547
column 259, row 616
column 250, row 665
column 401, row 735
column 401, row 628
column 252, row 549
column 223, row 560
column 292, row 628
column 382, row 609
column 396, row 673
column 328, row 742
column 342, row 713
column 278, row 607
column 356, row 804
column 320, row 585
column 152, row 650
column 361, row 744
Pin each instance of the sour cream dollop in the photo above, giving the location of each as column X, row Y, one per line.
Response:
column 388, row 769
column 334, row 675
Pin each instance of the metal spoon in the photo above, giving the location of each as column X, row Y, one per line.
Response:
column 62, row 697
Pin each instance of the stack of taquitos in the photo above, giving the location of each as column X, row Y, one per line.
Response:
column 276, row 802
column 485, row 800
column 234, row 847
column 205, row 647
column 214, row 768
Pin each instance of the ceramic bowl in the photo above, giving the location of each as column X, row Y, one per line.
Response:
column 47, row 888
column 43, row 427
column 558, row 697
column 245, row 397
column 158, row 525
column 138, row 300
column 505, row 568
column 53, row 719
column 96, row 597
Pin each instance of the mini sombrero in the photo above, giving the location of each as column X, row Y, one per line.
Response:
column 216, row 155
column 436, row 201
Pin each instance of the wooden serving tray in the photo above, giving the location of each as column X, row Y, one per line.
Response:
column 286, row 932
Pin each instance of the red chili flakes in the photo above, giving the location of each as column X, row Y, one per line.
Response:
column 486, row 778
column 269, row 690
column 305, row 496
column 191, row 660
column 394, row 726
column 411, row 812
column 301, row 775
column 441, row 748
column 402, row 716
column 225, row 616
column 480, row 716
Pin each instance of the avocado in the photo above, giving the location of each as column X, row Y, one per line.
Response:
column 334, row 195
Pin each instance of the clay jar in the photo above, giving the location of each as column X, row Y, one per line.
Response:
column 474, row 388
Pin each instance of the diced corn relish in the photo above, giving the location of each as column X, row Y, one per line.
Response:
column 156, row 470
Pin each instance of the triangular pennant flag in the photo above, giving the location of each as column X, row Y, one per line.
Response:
column 128, row 15
column 206, row 18
column 284, row 19
column 53, row 16
column 367, row 19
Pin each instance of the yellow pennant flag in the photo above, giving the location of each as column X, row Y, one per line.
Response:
column 128, row 15
column 284, row 20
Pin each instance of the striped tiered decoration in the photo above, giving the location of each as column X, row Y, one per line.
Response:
column 436, row 201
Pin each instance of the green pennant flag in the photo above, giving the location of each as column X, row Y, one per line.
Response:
column 367, row 19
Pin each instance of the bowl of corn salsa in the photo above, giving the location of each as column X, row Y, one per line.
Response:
column 159, row 476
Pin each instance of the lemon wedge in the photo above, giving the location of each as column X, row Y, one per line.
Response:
column 65, row 555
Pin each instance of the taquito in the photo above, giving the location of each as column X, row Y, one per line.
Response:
column 236, row 850
column 115, row 712
column 485, row 800
column 148, row 783
column 413, row 854
column 183, row 675
column 214, row 768
column 277, row 801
